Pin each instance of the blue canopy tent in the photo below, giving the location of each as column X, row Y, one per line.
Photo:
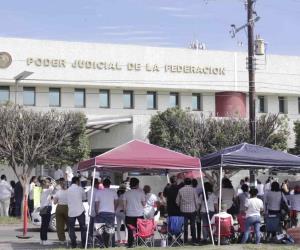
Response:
column 248, row 156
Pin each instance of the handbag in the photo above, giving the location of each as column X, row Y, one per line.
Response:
column 44, row 210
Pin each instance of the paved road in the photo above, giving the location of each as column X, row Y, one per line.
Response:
column 8, row 239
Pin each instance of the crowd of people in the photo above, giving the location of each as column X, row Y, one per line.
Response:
column 250, row 207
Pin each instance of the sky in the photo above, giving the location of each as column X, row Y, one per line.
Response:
column 166, row 23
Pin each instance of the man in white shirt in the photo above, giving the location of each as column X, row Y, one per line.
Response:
column 134, row 202
column 5, row 194
column 105, row 205
column 69, row 175
column 58, row 174
column 76, row 211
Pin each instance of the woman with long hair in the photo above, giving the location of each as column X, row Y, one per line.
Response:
column 228, row 195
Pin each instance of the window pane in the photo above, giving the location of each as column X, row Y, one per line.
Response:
column 79, row 97
column 174, row 100
column 4, row 94
column 196, row 102
column 104, row 98
column 54, row 97
column 29, row 96
column 151, row 100
column 128, row 99
column 261, row 104
column 281, row 104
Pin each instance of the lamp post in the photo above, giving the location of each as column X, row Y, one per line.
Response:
column 18, row 78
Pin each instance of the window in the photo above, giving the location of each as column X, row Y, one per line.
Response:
column 104, row 98
column 196, row 101
column 151, row 100
column 174, row 100
column 282, row 105
column 261, row 104
column 29, row 96
column 4, row 94
column 128, row 99
column 54, row 97
column 79, row 97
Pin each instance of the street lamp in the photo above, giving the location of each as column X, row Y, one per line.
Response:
column 19, row 77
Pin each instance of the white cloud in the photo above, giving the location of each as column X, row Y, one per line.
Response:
column 114, row 27
column 171, row 9
column 130, row 33
column 144, row 38
column 185, row 15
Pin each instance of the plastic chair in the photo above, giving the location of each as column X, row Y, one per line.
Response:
column 144, row 232
column 226, row 228
column 175, row 225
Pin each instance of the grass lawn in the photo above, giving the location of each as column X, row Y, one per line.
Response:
column 9, row 220
column 230, row 247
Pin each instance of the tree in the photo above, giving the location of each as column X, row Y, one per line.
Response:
column 296, row 150
column 29, row 139
column 197, row 135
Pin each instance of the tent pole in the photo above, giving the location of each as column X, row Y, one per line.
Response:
column 90, row 208
column 206, row 207
column 220, row 201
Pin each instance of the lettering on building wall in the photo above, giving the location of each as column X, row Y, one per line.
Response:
column 130, row 66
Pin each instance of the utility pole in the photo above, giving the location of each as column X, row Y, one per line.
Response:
column 251, row 72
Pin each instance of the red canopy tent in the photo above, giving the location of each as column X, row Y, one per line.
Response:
column 143, row 156
column 138, row 155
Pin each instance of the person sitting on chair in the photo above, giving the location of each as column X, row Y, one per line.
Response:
column 226, row 222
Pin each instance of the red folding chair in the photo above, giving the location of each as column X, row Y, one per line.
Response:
column 144, row 232
column 226, row 229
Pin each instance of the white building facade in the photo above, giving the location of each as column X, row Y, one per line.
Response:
column 119, row 87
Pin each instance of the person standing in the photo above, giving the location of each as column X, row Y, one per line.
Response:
column 45, row 211
column 91, row 202
column 242, row 198
column 5, row 194
column 76, row 211
column 69, row 175
column 228, row 194
column 260, row 188
column 32, row 184
column 120, row 214
column 212, row 205
column 254, row 207
column 61, row 199
column 171, row 192
column 105, row 206
column 58, row 173
column 18, row 191
column 188, row 202
column 295, row 207
column 134, row 202
column 151, row 203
